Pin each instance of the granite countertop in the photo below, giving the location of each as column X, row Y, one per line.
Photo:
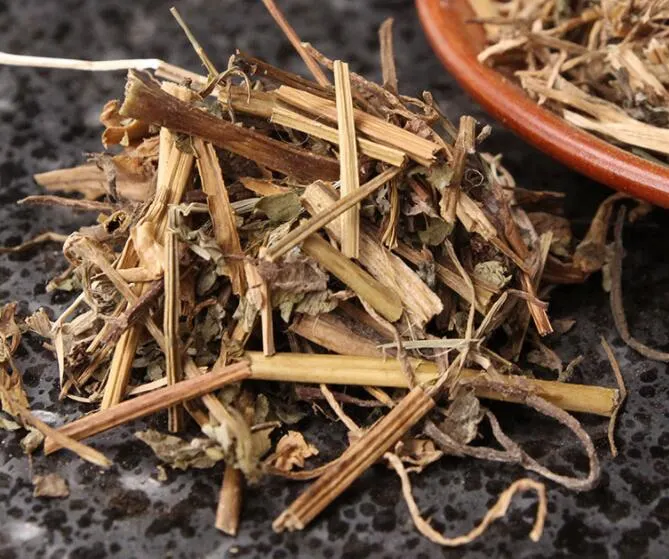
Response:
column 48, row 119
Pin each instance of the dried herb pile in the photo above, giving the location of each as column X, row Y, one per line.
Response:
column 602, row 66
column 264, row 241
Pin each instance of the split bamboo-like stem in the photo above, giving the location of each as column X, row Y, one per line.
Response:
column 419, row 301
column 327, row 215
column 357, row 459
column 375, row 371
column 230, row 501
column 173, row 370
column 384, row 301
column 419, row 149
column 284, row 116
column 348, row 160
column 222, row 214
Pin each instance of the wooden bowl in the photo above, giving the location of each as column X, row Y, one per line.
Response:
column 457, row 43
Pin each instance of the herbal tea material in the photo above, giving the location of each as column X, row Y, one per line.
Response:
column 263, row 246
column 602, row 66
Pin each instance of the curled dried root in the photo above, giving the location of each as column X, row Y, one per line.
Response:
column 498, row 510
column 512, row 452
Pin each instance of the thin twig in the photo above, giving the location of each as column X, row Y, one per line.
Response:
column 281, row 21
column 622, row 391
column 149, row 403
column 616, row 296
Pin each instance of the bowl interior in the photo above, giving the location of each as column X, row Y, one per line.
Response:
column 456, row 40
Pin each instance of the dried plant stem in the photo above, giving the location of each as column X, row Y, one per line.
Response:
column 621, row 400
column 83, row 451
column 254, row 102
column 288, row 30
column 213, row 404
column 144, row 100
column 419, row 301
column 92, row 183
column 207, row 63
column 264, row 303
column 149, row 403
column 171, row 314
column 356, row 460
column 222, row 214
column 464, row 146
column 73, row 203
column 330, row 331
column 291, row 119
column 327, row 215
column 48, row 237
column 379, row 297
column 419, row 149
column 452, row 279
column 230, row 501
column 370, row 371
column 387, row 56
column 475, row 220
column 173, row 173
column 75, row 64
column 348, row 160
column 532, row 309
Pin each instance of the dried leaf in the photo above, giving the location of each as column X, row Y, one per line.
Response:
column 242, row 448
column 8, row 424
column 462, row 417
column 295, row 273
column 560, row 228
column 292, row 450
column 50, row 485
column 436, row 231
column 419, row 453
column 492, row 272
column 32, row 441
column 10, row 334
column 280, row 208
column 180, row 454
column 545, row 357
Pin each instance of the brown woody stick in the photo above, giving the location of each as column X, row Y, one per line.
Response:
column 149, row 403
column 230, row 501
column 145, row 100
column 359, row 456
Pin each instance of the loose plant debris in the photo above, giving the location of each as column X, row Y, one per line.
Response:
column 50, row 485
column 602, row 66
column 266, row 244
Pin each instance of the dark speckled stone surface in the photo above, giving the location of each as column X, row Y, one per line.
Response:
column 49, row 118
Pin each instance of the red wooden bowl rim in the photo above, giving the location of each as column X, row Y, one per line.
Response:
column 446, row 29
